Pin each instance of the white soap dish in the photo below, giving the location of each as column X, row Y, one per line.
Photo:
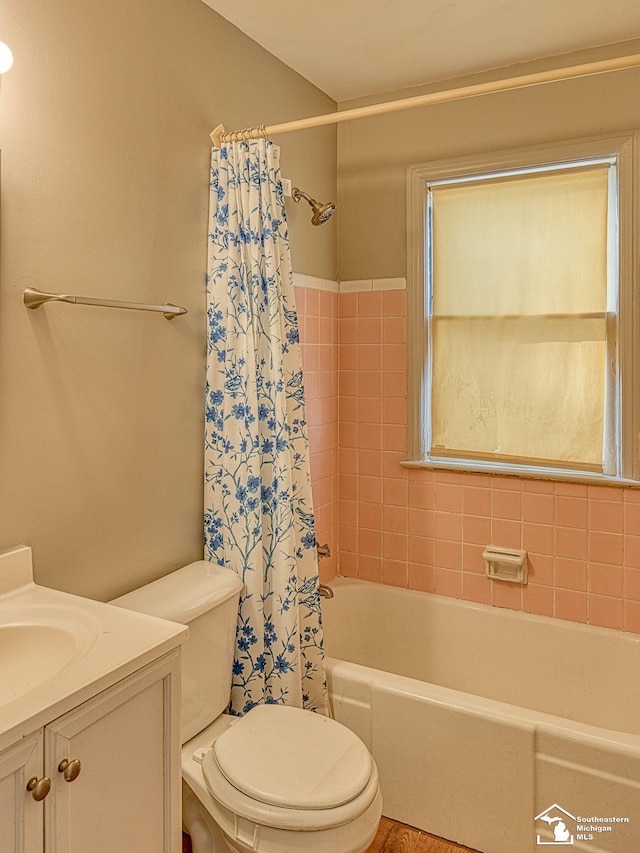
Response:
column 505, row 564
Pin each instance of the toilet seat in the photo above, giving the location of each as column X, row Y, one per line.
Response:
column 291, row 758
column 346, row 775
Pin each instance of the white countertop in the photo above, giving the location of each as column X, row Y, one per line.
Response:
column 104, row 645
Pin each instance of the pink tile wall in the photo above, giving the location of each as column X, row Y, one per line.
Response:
column 318, row 319
column 426, row 529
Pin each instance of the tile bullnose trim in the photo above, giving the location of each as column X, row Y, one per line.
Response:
column 315, row 283
column 389, row 284
column 358, row 285
column 361, row 285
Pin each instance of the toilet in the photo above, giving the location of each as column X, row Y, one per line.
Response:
column 277, row 780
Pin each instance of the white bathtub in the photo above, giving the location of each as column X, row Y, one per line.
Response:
column 480, row 719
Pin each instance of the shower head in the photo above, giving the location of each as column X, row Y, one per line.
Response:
column 321, row 212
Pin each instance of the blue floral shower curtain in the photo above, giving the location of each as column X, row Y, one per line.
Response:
column 258, row 509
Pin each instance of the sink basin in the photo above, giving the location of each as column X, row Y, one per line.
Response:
column 58, row 650
column 37, row 643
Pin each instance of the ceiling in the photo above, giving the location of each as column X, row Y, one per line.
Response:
column 353, row 48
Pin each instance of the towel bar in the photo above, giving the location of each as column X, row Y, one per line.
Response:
column 34, row 298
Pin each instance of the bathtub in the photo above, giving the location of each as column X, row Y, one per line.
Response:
column 500, row 730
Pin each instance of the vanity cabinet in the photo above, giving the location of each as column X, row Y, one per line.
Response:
column 20, row 815
column 114, row 766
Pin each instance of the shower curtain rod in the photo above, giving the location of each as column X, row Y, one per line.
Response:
column 620, row 63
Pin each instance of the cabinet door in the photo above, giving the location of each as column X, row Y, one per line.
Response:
column 126, row 798
column 20, row 814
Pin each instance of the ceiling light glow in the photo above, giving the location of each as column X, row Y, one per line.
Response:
column 6, row 57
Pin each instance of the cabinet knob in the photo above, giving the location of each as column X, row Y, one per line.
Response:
column 70, row 769
column 39, row 787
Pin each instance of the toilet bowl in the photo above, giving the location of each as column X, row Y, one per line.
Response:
column 277, row 780
column 323, row 795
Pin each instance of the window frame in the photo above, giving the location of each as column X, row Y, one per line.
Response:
column 626, row 149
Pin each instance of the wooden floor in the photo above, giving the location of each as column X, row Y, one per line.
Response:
column 395, row 837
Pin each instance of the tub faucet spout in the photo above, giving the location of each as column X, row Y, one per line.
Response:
column 326, row 591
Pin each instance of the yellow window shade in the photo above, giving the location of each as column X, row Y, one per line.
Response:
column 520, row 333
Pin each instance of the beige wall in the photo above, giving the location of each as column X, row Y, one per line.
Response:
column 373, row 153
column 104, row 124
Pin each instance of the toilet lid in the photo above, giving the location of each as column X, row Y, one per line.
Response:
column 292, row 758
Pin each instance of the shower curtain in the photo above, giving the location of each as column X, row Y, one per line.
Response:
column 258, row 509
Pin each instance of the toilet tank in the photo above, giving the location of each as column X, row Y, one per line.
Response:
column 203, row 596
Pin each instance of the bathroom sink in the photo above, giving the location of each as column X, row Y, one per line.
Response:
column 37, row 643
column 57, row 650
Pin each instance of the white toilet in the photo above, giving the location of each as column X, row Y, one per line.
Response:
column 279, row 779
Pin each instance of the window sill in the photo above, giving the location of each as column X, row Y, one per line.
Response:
column 530, row 473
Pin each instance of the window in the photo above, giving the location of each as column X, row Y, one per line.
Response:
column 521, row 331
